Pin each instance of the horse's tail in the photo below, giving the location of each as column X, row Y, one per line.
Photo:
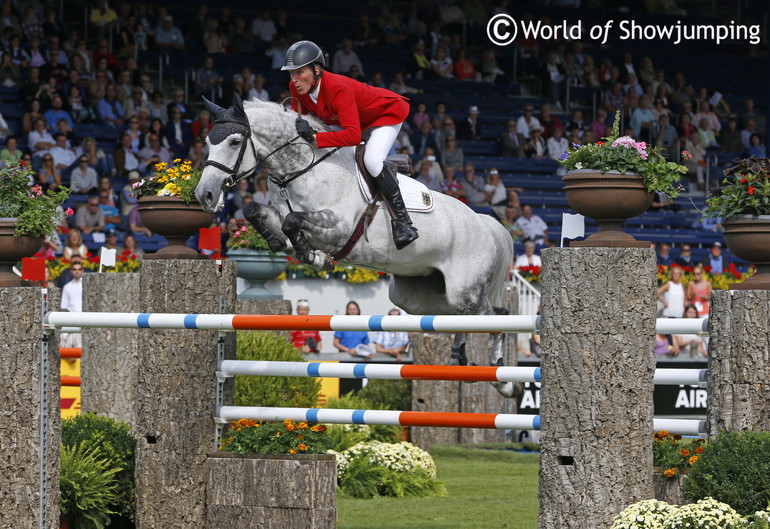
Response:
column 503, row 257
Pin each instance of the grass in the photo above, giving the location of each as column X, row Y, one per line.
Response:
column 488, row 489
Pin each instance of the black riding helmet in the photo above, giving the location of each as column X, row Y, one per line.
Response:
column 301, row 54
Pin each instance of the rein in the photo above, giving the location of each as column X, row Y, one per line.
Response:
column 281, row 180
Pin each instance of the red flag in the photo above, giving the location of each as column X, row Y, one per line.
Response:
column 33, row 268
column 209, row 239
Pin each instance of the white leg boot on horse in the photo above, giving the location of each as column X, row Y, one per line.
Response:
column 403, row 231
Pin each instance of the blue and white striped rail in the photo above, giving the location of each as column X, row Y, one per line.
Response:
column 423, row 372
column 441, row 323
column 500, row 421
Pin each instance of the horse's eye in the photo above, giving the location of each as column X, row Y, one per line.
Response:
column 235, row 140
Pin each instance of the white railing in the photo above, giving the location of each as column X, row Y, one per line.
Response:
column 529, row 303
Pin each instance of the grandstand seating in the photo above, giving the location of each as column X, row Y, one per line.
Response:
column 538, row 180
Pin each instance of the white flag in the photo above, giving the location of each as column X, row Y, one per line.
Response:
column 107, row 257
column 572, row 226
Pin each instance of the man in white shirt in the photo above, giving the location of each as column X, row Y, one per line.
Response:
column 534, row 227
column 526, row 121
column 263, row 27
column 63, row 158
column 345, row 58
column 39, row 140
column 72, row 301
column 72, row 292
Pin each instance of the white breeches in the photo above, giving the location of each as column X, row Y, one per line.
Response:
column 379, row 145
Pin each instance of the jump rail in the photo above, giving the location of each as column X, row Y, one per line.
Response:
column 423, row 418
column 224, row 322
column 423, row 372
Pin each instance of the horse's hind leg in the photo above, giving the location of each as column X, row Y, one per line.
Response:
column 266, row 221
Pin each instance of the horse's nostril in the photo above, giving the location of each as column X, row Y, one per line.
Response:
column 209, row 197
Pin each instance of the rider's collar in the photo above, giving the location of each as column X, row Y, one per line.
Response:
column 314, row 94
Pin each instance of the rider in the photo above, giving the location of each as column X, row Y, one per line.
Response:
column 353, row 106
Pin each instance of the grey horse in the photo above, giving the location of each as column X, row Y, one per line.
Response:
column 457, row 266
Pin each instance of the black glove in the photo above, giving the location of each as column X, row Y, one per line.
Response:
column 304, row 129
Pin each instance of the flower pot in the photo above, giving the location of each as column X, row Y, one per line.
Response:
column 256, row 267
column 669, row 489
column 12, row 250
column 610, row 199
column 177, row 222
column 271, row 490
column 748, row 237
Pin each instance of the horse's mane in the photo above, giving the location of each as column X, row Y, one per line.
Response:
column 280, row 118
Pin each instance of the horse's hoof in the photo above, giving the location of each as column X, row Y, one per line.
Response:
column 509, row 390
column 458, row 359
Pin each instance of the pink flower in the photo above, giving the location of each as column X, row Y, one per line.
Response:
column 69, row 212
column 36, row 190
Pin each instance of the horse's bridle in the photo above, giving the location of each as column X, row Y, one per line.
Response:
column 281, row 180
column 233, row 175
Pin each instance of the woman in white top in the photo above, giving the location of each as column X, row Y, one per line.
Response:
column 74, row 244
column 262, row 194
column 685, row 341
column 675, row 299
column 529, row 258
column 495, row 189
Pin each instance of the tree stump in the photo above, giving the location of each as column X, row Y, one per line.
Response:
column 739, row 361
column 176, row 391
column 597, row 328
column 434, row 395
column 482, row 397
column 20, row 419
column 261, row 491
column 110, row 364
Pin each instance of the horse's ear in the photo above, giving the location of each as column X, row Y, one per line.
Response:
column 215, row 109
column 238, row 111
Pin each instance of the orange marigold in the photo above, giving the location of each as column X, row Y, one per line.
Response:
column 671, row 472
column 292, row 451
column 319, row 428
column 699, row 450
column 693, row 459
column 290, row 427
column 663, row 433
column 302, row 425
column 300, row 437
column 303, row 447
column 278, row 434
column 684, row 452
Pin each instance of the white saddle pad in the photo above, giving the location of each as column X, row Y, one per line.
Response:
column 417, row 197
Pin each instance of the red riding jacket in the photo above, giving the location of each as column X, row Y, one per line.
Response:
column 354, row 106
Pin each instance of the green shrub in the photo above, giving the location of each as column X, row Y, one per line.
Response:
column 372, row 469
column 88, row 486
column 377, row 432
column 295, row 392
column 112, row 442
column 734, row 470
column 388, row 394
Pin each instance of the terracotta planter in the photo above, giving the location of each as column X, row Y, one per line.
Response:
column 12, row 250
column 669, row 489
column 610, row 199
column 748, row 237
column 256, row 267
column 271, row 490
column 177, row 222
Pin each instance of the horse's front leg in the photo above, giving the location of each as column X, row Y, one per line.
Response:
column 267, row 222
column 313, row 221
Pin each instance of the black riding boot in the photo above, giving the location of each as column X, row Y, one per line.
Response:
column 403, row 231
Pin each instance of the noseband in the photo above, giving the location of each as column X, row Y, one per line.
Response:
column 233, row 176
